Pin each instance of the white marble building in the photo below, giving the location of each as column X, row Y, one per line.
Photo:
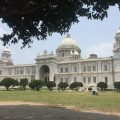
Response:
column 66, row 65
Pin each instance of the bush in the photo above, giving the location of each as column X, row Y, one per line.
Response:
column 62, row 85
column 7, row 82
column 117, row 86
column 75, row 85
column 50, row 85
column 102, row 85
column 15, row 83
column 23, row 83
column 36, row 84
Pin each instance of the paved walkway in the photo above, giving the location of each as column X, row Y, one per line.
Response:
column 27, row 112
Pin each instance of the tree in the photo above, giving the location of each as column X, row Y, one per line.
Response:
column 23, row 83
column 63, row 85
column 36, row 84
column 50, row 85
column 75, row 85
column 117, row 86
column 39, row 18
column 102, row 85
column 7, row 82
column 15, row 83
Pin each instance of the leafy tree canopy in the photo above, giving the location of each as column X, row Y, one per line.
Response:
column 23, row 83
column 30, row 19
column 102, row 85
column 75, row 85
column 63, row 85
column 117, row 85
column 50, row 85
column 36, row 84
column 7, row 82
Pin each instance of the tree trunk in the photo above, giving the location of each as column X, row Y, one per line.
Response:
column 7, row 88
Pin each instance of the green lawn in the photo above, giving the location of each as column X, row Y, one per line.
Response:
column 107, row 101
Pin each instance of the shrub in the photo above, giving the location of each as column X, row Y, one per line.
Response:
column 62, row 85
column 75, row 85
column 50, row 85
column 36, row 84
column 102, row 85
column 7, row 82
column 15, row 83
column 117, row 86
column 23, row 83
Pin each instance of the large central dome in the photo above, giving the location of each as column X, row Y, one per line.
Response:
column 68, row 47
column 68, row 41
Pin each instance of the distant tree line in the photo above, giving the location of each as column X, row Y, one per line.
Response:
column 38, row 84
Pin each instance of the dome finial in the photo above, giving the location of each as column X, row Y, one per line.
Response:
column 68, row 35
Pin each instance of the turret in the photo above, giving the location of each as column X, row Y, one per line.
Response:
column 6, row 57
column 116, row 47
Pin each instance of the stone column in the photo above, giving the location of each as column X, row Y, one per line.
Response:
column 37, row 75
column 51, row 77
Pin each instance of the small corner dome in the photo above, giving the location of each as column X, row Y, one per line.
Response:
column 68, row 41
column 118, row 33
column 6, row 49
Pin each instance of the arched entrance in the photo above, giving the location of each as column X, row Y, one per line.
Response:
column 44, row 73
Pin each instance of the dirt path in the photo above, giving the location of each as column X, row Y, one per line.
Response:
column 10, row 110
column 30, row 112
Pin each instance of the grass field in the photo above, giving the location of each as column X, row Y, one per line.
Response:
column 106, row 101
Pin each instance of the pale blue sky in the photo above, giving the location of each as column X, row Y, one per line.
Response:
column 92, row 36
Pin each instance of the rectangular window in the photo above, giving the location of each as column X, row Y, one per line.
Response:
column 94, row 79
column 105, row 68
column 61, row 70
column 33, row 71
column 28, row 71
column 75, row 80
column 17, row 72
column 62, row 54
column 84, row 79
column 0, row 72
column 94, row 68
column 61, row 79
column 66, row 69
column 89, row 79
column 75, row 69
column 106, row 80
column 9, row 71
column 21, row 71
column 84, row 69
column 88, row 68
column 66, row 80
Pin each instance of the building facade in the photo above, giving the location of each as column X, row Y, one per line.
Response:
column 67, row 65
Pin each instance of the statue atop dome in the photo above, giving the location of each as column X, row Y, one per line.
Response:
column 68, row 35
column 45, row 52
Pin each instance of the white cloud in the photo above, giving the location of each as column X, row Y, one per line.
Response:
column 2, row 31
column 102, row 50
